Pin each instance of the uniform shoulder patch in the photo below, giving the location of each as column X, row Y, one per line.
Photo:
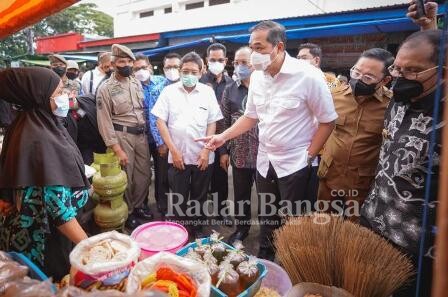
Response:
column 99, row 103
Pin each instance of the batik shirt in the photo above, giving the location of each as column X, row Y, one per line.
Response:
column 394, row 206
column 152, row 91
column 25, row 230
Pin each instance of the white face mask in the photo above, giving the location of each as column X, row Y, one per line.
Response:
column 261, row 61
column 142, row 75
column 172, row 74
column 62, row 106
column 216, row 67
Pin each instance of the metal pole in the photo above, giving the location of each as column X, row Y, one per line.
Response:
column 440, row 282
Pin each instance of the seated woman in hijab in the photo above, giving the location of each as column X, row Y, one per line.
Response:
column 42, row 177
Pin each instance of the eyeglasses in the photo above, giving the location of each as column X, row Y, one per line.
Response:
column 366, row 78
column 222, row 60
column 242, row 62
column 408, row 74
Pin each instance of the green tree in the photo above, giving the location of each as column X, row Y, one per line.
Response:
column 82, row 18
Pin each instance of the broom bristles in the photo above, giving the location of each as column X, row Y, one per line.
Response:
column 342, row 254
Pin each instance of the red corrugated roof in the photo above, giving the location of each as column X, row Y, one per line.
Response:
column 121, row 40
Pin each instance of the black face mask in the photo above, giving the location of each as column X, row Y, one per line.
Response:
column 360, row 88
column 71, row 75
column 405, row 89
column 124, row 71
column 59, row 70
column 109, row 73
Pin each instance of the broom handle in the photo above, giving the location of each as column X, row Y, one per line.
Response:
column 440, row 284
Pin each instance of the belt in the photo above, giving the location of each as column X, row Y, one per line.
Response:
column 132, row 130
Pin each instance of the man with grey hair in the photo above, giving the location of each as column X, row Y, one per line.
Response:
column 292, row 105
column 187, row 110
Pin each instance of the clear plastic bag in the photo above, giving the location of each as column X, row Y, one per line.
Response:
column 196, row 270
column 27, row 287
column 10, row 271
column 103, row 261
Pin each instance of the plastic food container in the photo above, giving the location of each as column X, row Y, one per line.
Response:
column 34, row 271
column 156, row 237
column 277, row 278
column 215, row 292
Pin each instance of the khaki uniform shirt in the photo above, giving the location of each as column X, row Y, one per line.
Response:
column 350, row 155
column 119, row 103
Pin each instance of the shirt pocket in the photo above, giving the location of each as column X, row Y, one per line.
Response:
column 374, row 131
column 121, row 103
column 324, row 166
column 200, row 116
column 365, row 177
column 286, row 105
column 140, row 99
column 259, row 101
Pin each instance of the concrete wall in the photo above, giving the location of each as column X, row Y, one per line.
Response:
column 127, row 20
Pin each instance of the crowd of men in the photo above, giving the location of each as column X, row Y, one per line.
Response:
column 358, row 146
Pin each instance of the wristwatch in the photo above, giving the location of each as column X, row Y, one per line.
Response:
column 310, row 159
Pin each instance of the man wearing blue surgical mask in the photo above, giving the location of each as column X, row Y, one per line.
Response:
column 241, row 153
column 218, row 80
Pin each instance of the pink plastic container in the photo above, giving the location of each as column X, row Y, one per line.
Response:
column 277, row 278
column 156, row 237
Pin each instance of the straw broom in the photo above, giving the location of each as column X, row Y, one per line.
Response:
column 328, row 250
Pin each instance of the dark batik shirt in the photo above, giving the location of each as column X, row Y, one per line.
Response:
column 210, row 80
column 394, row 206
column 242, row 149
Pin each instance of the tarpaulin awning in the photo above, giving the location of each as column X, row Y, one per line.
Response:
column 45, row 63
column 160, row 50
column 81, row 57
column 18, row 14
column 344, row 29
column 357, row 28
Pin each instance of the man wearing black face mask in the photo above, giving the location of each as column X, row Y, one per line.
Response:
column 122, row 124
column 394, row 206
column 351, row 152
column 59, row 65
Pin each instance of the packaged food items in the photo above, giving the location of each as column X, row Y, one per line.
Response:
column 228, row 280
column 201, row 249
column 193, row 255
column 267, row 292
column 208, row 257
column 235, row 257
column 27, row 287
column 218, row 248
column 171, row 274
column 170, row 282
column 103, row 262
column 11, row 270
column 248, row 271
column 213, row 270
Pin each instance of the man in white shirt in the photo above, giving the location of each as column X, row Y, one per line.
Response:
column 292, row 105
column 92, row 78
column 187, row 110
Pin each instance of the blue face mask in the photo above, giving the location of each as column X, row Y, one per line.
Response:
column 62, row 106
column 243, row 71
column 189, row 80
